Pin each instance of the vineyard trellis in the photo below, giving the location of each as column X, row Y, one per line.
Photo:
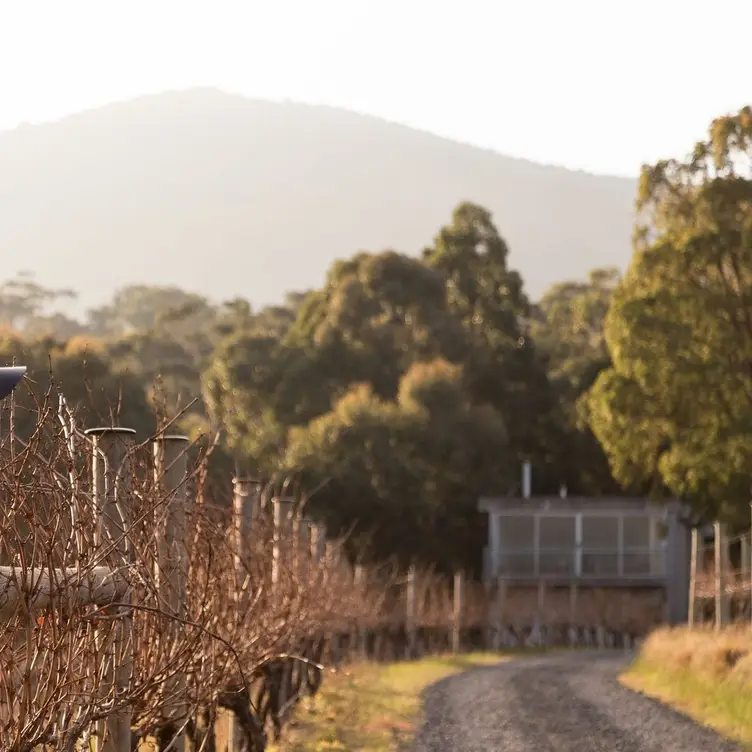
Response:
column 720, row 590
column 137, row 605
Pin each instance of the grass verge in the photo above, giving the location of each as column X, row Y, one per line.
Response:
column 703, row 674
column 370, row 707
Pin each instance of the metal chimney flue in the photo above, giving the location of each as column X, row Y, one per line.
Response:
column 527, row 473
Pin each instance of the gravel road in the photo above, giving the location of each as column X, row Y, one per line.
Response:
column 565, row 702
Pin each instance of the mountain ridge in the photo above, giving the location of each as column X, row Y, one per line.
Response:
column 227, row 196
column 217, row 91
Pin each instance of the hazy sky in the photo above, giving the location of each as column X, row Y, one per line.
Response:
column 602, row 85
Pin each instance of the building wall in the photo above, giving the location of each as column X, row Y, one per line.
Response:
column 587, row 539
column 574, row 543
column 677, row 584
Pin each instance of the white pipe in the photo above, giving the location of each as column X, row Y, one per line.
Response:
column 526, row 479
column 68, row 586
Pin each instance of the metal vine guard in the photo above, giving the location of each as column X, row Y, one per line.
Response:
column 9, row 378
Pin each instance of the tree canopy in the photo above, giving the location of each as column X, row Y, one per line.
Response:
column 674, row 413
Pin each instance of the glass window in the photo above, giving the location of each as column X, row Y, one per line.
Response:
column 516, row 532
column 637, row 563
column 557, row 532
column 520, row 563
column 600, row 532
column 636, row 531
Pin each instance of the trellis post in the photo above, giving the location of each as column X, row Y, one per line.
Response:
column 459, row 611
column 245, row 492
column 318, row 542
column 111, row 476
column 283, row 510
column 245, row 497
column 410, row 589
column 721, row 574
column 304, row 547
column 694, row 550
column 170, row 453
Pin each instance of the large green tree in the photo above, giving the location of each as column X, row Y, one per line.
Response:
column 380, row 313
column 675, row 411
column 568, row 328
column 407, row 387
column 407, row 472
column 502, row 365
column 376, row 315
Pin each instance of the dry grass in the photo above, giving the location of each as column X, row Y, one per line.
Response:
column 369, row 707
column 705, row 674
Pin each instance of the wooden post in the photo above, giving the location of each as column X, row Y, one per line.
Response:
column 318, row 542
column 695, row 546
column 304, row 548
column 283, row 511
column 745, row 570
column 111, row 482
column 574, row 626
column 600, row 636
column 540, row 611
column 359, row 583
column 410, row 612
column 744, row 541
column 501, row 605
column 171, row 473
column 331, row 572
column 245, row 493
column 244, row 500
column 459, row 611
column 721, row 571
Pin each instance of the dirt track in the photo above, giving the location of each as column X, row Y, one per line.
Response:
column 557, row 703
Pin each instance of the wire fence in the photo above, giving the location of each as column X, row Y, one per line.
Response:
column 720, row 589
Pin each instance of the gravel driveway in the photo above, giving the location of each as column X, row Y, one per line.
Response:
column 565, row 702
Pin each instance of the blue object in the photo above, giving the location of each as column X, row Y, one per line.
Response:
column 9, row 378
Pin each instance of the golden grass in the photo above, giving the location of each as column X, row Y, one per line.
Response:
column 705, row 674
column 370, row 707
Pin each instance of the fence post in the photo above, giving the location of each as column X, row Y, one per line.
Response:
column 410, row 611
column 283, row 511
column 171, row 474
column 693, row 576
column 304, row 547
column 244, row 500
column 744, row 541
column 459, row 611
column 359, row 582
column 318, row 542
column 721, row 568
column 501, row 611
column 540, row 626
column 111, row 485
column 574, row 625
